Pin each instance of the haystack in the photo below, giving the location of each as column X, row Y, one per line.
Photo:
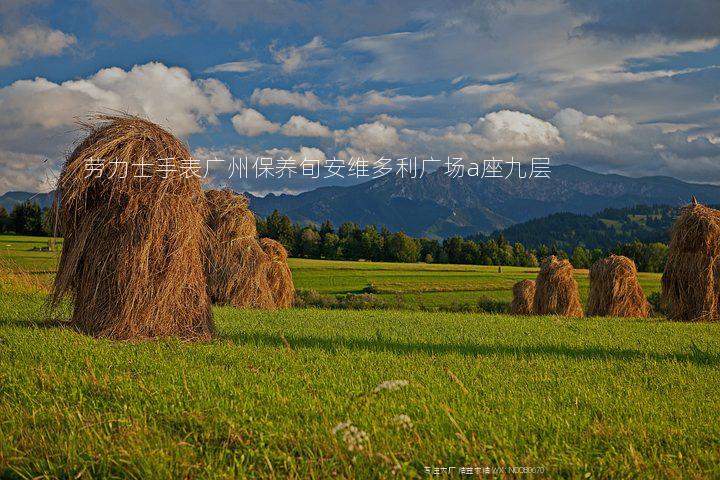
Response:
column 615, row 290
column 556, row 291
column 236, row 266
column 691, row 280
column 523, row 297
column 279, row 274
column 132, row 256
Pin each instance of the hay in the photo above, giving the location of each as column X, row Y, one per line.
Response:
column 279, row 275
column 523, row 297
column 556, row 291
column 131, row 259
column 691, row 279
column 235, row 265
column 615, row 290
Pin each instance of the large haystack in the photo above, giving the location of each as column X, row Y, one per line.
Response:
column 132, row 258
column 236, row 265
column 615, row 290
column 556, row 291
column 691, row 280
column 523, row 298
column 279, row 274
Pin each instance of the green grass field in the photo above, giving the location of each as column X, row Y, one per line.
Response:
column 409, row 285
column 578, row 398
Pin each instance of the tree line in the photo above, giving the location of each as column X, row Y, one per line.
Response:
column 26, row 218
column 351, row 242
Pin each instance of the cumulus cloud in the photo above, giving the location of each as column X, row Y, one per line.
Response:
column 374, row 100
column 243, row 66
column 26, row 172
column 33, row 41
column 273, row 96
column 39, row 113
column 299, row 126
column 252, row 123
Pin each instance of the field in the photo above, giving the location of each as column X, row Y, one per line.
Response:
column 587, row 398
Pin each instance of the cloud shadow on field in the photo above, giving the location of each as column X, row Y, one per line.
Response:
column 693, row 355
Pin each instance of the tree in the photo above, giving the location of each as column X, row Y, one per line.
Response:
column 26, row 219
column 371, row 244
column 310, row 242
column 581, row 257
column 326, row 227
column 330, row 245
column 280, row 228
column 4, row 220
column 402, row 248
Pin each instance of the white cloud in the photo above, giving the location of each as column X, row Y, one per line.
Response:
column 252, row 123
column 295, row 58
column 167, row 95
column 376, row 137
column 299, row 126
column 33, row 41
column 273, row 96
column 243, row 66
column 374, row 100
column 510, row 129
column 26, row 172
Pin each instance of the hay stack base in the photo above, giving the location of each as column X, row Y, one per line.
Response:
column 279, row 274
column 615, row 290
column 236, row 266
column 691, row 279
column 132, row 255
column 523, row 298
column 556, row 290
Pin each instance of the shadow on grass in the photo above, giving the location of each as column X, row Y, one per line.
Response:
column 695, row 355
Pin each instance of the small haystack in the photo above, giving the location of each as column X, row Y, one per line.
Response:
column 279, row 275
column 236, row 265
column 691, row 280
column 132, row 257
column 615, row 290
column 523, row 298
column 556, row 291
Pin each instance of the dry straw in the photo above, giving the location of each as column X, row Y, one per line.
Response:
column 615, row 290
column 236, row 266
column 556, row 291
column 523, row 298
column 132, row 257
column 691, row 280
column 279, row 274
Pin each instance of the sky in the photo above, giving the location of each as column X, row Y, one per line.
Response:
column 611, row 86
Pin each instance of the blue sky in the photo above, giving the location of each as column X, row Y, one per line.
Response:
column 614, row 86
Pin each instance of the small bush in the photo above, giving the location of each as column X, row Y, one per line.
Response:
column 657, row 304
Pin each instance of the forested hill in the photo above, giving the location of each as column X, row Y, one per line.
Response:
column 604, row 229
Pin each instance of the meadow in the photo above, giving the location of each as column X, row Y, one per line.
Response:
column 272, row 396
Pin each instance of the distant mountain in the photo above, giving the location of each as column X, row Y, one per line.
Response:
column 10, row 199
column 438, row 206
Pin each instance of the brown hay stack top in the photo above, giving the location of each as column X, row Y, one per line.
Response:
column 691, row 279
column 556, row 290
column 615, row 290
column 132, row 252
column 523, row 297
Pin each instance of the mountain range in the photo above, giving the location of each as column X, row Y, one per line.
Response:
column 439, row 206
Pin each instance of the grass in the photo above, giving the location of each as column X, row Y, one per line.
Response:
column 583, row 398
column 405, row 285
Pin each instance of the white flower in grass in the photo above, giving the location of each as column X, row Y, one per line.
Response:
column 402, row 421
column 354, row 438
column 391, row 385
